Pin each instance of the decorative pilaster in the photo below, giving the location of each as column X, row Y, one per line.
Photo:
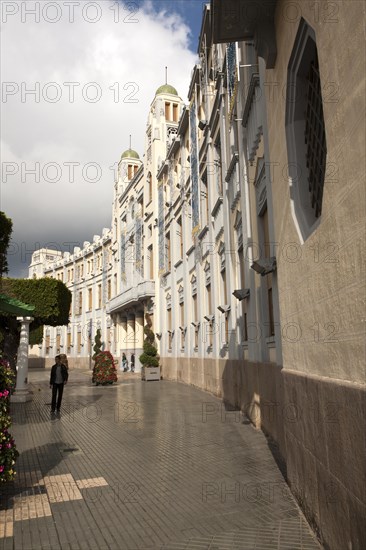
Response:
column 139, row 339
column 22, row 394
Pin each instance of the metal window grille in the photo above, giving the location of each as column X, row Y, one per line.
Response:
column 316, row 152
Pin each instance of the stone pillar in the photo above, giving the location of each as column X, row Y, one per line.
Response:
column 22, row 394
column 139, row 338
column 122, row 337
column 130, row 337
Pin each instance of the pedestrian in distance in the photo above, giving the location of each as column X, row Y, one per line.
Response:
column 58, row 378
column 133, row 362
column 124, row 363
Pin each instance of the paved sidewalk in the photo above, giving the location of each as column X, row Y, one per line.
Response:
column 143, row 465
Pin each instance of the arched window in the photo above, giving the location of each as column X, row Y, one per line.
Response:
column 305, row 132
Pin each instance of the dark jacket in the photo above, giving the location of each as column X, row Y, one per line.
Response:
column 64, row 372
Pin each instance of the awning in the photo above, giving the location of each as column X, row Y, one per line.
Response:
column 14, row 306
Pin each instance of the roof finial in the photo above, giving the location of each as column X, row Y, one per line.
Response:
column 130, row 141
column 166, row 75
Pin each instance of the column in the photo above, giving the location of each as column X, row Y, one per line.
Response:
column 139, row 338
column 122, row 336
column 22, row 394
column 130, row 337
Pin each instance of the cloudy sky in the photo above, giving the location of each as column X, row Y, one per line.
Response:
column 77, row 79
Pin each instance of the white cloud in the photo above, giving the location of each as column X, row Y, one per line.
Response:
column 130, row 57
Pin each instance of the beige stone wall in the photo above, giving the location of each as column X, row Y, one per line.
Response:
column 321, row 282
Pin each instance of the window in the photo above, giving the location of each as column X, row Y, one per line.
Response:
column 109, row 289
column 305, row 132
column 167, row 111
column 170, row 334
column 58, row 343
column 209, row 329
column 151, row 261
column 79, row 342
column 180, row 236
column 129, row 171
column 80, row 309
column 99, row 296
column 167, row 252
column 181, row 315
column 175, row 112
column 204, row 199
column 268, row 278
column 149, row 186
column 69, row 342
column 90, row 299
column 223, row 287
column 243, row 303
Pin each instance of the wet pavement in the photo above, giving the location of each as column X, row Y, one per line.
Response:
column 143, row 465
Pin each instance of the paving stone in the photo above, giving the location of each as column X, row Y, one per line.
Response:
column 144, row 469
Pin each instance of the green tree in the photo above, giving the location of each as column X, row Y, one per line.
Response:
column 150, row 357
column 6, row 228
column 97, row 343
column 52, row 300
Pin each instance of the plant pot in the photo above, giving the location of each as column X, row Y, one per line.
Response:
column 151, row 373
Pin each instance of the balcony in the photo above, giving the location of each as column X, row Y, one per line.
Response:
column 132, row 296
column 237, row 20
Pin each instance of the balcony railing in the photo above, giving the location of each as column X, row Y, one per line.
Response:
column 132, row 296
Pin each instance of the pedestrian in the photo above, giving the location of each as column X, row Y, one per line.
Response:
column 58, row 378
column 124, row 363
column 133, row 362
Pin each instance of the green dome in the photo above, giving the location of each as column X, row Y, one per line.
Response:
column 131, row 154
column 166, row 89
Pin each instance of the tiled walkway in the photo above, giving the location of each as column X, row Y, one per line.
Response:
column 143, row 465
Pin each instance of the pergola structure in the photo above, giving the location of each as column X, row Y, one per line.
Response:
column 22, row 312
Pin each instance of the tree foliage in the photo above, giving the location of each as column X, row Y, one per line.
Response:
column 6, row 228
column 97, row 343
column 52, row 300
column 150, row 357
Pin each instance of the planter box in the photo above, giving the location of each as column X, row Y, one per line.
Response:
column 150, row 373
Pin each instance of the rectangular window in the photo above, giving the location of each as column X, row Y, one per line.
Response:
column 169, row 312
column 69, row 342
column 129, row 171
column 167, row 251
column 109, row 289
column 243, row 303
column 90, row 299
column 268, row 278
column 181, row 315
column 195, row 311
column 80, row 303
column 167, row 111
column 224, row 287
column 180, row 236
column 151, row 261
column 79, row 343
column 175, row 112
column 99, row 296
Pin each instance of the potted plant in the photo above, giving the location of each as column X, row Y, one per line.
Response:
column 97, row 348
column 104, row 371
column 149, row 358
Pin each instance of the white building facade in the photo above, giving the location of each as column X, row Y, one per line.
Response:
column 233, row 232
